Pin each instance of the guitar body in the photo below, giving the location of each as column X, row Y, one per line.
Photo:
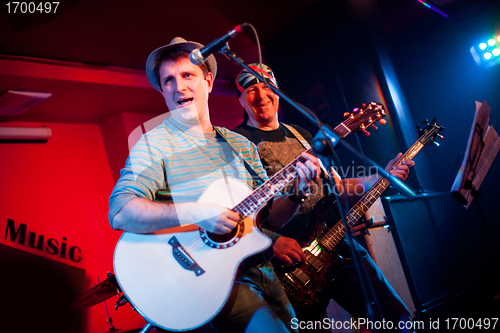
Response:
column 306, row 284
column 311, row 305
column 180, row 278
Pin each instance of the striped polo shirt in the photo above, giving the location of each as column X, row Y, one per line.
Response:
column 176, row 159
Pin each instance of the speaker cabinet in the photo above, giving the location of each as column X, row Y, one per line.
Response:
column 37, row 293
column 419, row 245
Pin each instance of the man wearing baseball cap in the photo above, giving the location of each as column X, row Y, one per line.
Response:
column 278, row 145
column 184, row 155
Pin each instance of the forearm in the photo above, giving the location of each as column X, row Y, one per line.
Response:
column 141, row 215
column 354, row 188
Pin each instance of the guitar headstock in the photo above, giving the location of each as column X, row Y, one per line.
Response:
column 427, row 135
column 362, row 118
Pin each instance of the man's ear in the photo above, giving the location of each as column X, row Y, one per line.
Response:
column 210, row 82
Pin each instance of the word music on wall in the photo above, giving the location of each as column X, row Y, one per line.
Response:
column 52, row 246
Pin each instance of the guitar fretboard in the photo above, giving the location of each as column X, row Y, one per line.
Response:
column 280, row 180
column 337, row 232
column 270, row 188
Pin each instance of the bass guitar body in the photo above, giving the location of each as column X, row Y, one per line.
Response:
column 307, row 283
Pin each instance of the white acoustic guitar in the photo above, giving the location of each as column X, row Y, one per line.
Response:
column 179, row 279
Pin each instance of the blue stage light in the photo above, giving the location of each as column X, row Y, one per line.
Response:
column 486, row 53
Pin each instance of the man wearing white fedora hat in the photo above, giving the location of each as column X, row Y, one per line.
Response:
column 184, row 155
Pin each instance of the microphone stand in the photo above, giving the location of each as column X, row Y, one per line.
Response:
column 325, row 145
column 332, row 138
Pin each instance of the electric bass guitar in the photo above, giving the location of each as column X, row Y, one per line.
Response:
column 180, row 278
column 306, row 284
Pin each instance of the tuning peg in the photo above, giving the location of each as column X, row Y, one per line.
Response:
column 346, row 115
column 367, row 133
column 442, row 137
column 375, row 127
column 383, row 121
column 437, row 144
column 426, row 122
column 418, row 128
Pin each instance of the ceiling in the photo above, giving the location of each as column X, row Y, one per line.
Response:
column 91, row 55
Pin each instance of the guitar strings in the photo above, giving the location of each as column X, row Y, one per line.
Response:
column 334, row 235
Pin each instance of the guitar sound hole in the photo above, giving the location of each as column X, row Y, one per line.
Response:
column 222, row 238
column 223, row 241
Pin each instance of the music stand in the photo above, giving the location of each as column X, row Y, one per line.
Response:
column 482, row 147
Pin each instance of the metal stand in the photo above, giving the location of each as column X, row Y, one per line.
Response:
column 146, row 328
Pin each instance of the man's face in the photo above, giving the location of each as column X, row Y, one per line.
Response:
column 260, row 103
column 184, row 87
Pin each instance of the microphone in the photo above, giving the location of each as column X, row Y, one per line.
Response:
column 199, row 56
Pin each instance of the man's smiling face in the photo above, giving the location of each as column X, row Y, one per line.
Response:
column 260, row 102
column 184, row 85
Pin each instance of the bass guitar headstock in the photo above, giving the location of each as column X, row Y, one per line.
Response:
column 362, row 118
column 428, row 134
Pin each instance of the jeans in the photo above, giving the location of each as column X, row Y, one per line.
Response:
column 261, row 304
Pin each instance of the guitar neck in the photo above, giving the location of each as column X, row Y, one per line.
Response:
column 275, row 184
column 342, row 130
column 270, row 188
column 337, row 232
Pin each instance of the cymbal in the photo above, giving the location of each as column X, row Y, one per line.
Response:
column 99, row 293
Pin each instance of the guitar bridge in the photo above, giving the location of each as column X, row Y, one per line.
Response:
column 183, row 258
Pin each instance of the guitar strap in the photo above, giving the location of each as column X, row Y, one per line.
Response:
column 250, row 170
column 298, row 136
column 306, row 145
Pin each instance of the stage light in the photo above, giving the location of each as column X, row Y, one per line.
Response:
column 486, row 53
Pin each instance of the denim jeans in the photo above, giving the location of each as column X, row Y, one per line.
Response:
column 261, row 304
